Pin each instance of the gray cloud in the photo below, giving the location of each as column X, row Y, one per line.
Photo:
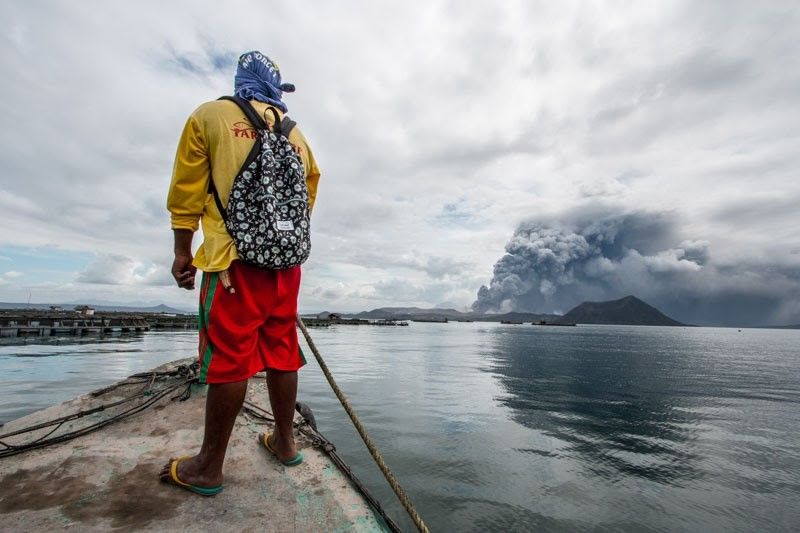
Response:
column 757, row 208
column 436, row 266
column 602, row 253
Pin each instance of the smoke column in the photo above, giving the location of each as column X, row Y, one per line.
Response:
column 553, row 266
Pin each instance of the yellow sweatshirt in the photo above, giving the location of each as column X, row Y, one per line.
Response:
column 216, row 140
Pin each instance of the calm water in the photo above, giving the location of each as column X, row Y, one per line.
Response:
column 516, row 428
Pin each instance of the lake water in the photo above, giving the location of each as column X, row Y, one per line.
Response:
column 495, row 427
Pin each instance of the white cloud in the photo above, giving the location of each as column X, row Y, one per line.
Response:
column 438, row 128
column 114, row 269
column 10, row 278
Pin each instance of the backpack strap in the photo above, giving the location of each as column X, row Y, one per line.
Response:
column 247, row 108
column 287, row 125
column 258, row 123
column 212, row 189
column 282, row 127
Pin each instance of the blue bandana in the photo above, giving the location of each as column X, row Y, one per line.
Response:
column 258, row 78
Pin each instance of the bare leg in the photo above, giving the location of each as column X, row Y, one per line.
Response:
column 223, row 403
column 282, row 388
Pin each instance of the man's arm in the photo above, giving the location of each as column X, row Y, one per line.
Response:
column 310, row 166
column 182, row 269
column 187, row 195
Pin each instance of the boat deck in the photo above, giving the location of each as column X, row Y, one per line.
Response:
column 109, row 479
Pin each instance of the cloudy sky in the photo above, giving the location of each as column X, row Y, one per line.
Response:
column 615, row 147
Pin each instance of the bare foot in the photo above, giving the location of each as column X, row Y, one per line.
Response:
column 192, row 472
column 284, row 448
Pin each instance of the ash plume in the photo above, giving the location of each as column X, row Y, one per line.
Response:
column 551, row 266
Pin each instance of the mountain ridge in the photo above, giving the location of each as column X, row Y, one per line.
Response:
column 418, row 313
column 627, row 311
column 108, row 308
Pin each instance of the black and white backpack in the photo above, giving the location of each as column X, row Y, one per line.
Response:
column 267, row 214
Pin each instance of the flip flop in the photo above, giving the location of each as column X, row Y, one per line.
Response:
column 203, row 491
column 296, row 460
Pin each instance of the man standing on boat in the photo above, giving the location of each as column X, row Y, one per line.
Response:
column 247, row 310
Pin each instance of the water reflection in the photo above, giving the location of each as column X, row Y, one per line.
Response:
column 684, row 408
column 620, row 405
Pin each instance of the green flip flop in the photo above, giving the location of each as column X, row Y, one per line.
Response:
column 294, row 461
column 175, row 480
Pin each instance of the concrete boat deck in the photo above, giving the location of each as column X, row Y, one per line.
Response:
column 108, row 479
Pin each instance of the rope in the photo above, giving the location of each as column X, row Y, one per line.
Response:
column 318, row 440
column 183, row 376
column 373, row 450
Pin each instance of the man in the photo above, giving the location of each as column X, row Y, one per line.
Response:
column 247, row 314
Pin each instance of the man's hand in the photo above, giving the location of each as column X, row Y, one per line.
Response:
column 183, row 271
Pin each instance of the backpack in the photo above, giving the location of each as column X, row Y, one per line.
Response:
column 267, row 215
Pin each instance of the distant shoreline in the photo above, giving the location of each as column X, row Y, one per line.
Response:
column 385, row 313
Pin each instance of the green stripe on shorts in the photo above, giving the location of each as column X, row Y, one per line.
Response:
column 204, row 312
column 302, row 355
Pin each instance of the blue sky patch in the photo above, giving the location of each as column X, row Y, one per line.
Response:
column 456, row 213
column 43, row 263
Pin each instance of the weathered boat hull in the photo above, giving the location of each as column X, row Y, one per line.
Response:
column 109, row 479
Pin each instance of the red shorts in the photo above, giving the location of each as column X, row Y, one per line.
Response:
column 252, row 329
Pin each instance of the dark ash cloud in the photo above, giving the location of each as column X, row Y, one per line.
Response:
column 599, row 254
